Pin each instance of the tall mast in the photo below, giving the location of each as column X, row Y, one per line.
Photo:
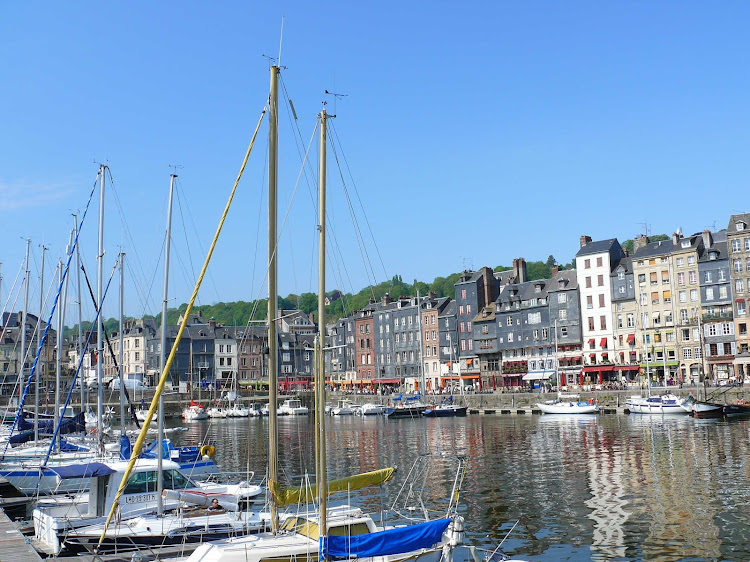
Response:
column 120, row 343
column 273, row 157
column 58, row 346
column 79, row 346
column 100, row 320
column 557, row 361
column 22, row 323
column 320, row 382
column 163, row 350
column 422, row 383
column 39, row 343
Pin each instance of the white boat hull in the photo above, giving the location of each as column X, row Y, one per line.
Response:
column 655, row 406
column 569, row 408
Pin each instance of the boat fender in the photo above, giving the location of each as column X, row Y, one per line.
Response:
column 208, row 451
column 741, row 401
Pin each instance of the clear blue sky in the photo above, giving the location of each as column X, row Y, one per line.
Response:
column 475, row 132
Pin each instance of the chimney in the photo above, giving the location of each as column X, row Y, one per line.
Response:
column 212, row 323
column 675, row 238
column 585, row 240
column 386, row 299
column 708, row 240
column 639, row 242
column 521, row 274
column 625, row 250
column 554, row 270
column 311, row 317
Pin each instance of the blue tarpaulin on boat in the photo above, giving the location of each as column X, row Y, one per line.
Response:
column 81, row 470
column 385, row 543
column 70, row 447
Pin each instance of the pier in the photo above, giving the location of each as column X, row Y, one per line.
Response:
column 13, row 544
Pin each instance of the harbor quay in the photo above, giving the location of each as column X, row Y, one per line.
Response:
column 498, row 401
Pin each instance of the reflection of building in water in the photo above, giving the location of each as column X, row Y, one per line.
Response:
column 668, row 477
column 607, row 503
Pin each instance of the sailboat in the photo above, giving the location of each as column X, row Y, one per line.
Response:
column 343, row 531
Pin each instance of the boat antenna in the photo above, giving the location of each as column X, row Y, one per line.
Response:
column 336, row 97
column 281, row 39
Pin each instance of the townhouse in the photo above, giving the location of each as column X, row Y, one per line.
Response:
column 738, row 245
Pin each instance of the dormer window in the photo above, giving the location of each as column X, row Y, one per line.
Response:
column 686, row 243
column 561, row 283
column 713, row 255
column 739, row 225
column 537, row 288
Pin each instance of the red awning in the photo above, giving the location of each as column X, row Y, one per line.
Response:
column 591, row 369
column 628, row 368
column 598, row 368
column 603, row 343
column 592, row 341
column 631, row 339
column 592, row 356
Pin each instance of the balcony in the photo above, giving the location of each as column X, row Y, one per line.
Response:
column 717, row 316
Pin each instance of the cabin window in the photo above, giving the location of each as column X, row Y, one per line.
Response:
column 174, row 480
column 349, row 530
column 141, row 482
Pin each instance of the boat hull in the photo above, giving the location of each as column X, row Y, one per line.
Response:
column 445, row 412
column 655, row 406
column 406, row 412
column 569, row 408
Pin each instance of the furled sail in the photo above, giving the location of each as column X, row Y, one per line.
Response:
column 385, row 543
column 305, row 494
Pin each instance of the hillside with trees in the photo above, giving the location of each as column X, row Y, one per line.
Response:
column 239, row 313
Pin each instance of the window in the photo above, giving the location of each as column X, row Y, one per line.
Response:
column 726, row 328
column 683, row 296
column 562, row 298
column 709, row 293
column 562, row 314
column 693, row 295
column 707, row 276
column 587, row 264
column 137, row 355
column 463, row 293
column 723, row 292
column 654, row 278
column 535, row 334
column 598, row 262
column 739, row 285
column 693, row 277
column 564, row 331
column 691, row 260
column 683, row 316
column 741, row 308
column 680, row 262
column 588, row 282
column 471, row 345
column 686, row 334
column 602, row 322
column 620, row 274
column 535, row 317
column 747, row 243
column 621, row 289
column 681, row 278
column 468, row 309
column 600, row 280
column 736, row 245
column 737, row 265
column 591, row 323
column 509, row 321
column 631, row 320
column 601, row 301
column 655, row 297
column 460, row 309
column 468, row 326
column 589, row 301
column 687, row 353
column 641, row 278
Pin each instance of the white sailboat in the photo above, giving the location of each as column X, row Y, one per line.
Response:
column 566, row 403
column 344, row 531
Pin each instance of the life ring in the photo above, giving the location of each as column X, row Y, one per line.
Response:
column 741, row 401
column 208, row 450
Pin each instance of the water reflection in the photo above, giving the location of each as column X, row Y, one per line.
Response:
column 582, row 488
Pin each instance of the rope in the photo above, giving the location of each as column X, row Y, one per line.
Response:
column 166, row 367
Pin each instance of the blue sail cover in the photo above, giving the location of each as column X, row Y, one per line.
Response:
column 88, row 470
column 385, row 543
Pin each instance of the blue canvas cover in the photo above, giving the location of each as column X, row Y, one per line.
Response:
column 384, row 543
column 81, row 470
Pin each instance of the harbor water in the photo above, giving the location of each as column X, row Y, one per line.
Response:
column 612, row 487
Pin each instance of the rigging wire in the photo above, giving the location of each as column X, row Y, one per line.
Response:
column 138, row 273
column 356, row 192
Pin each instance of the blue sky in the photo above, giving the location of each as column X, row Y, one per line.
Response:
column 475, row 132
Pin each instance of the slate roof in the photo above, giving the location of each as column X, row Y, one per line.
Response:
column 597, row 247
column 660, row 248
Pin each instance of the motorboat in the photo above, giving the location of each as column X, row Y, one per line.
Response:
column 371, row 409
column 238, row 411
column 446, row 409
column 412, row 407
column 568, row 404
column 344, row 408
column 293, row 407
column 702, row 408
column 655, row 405
column 217, row 412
